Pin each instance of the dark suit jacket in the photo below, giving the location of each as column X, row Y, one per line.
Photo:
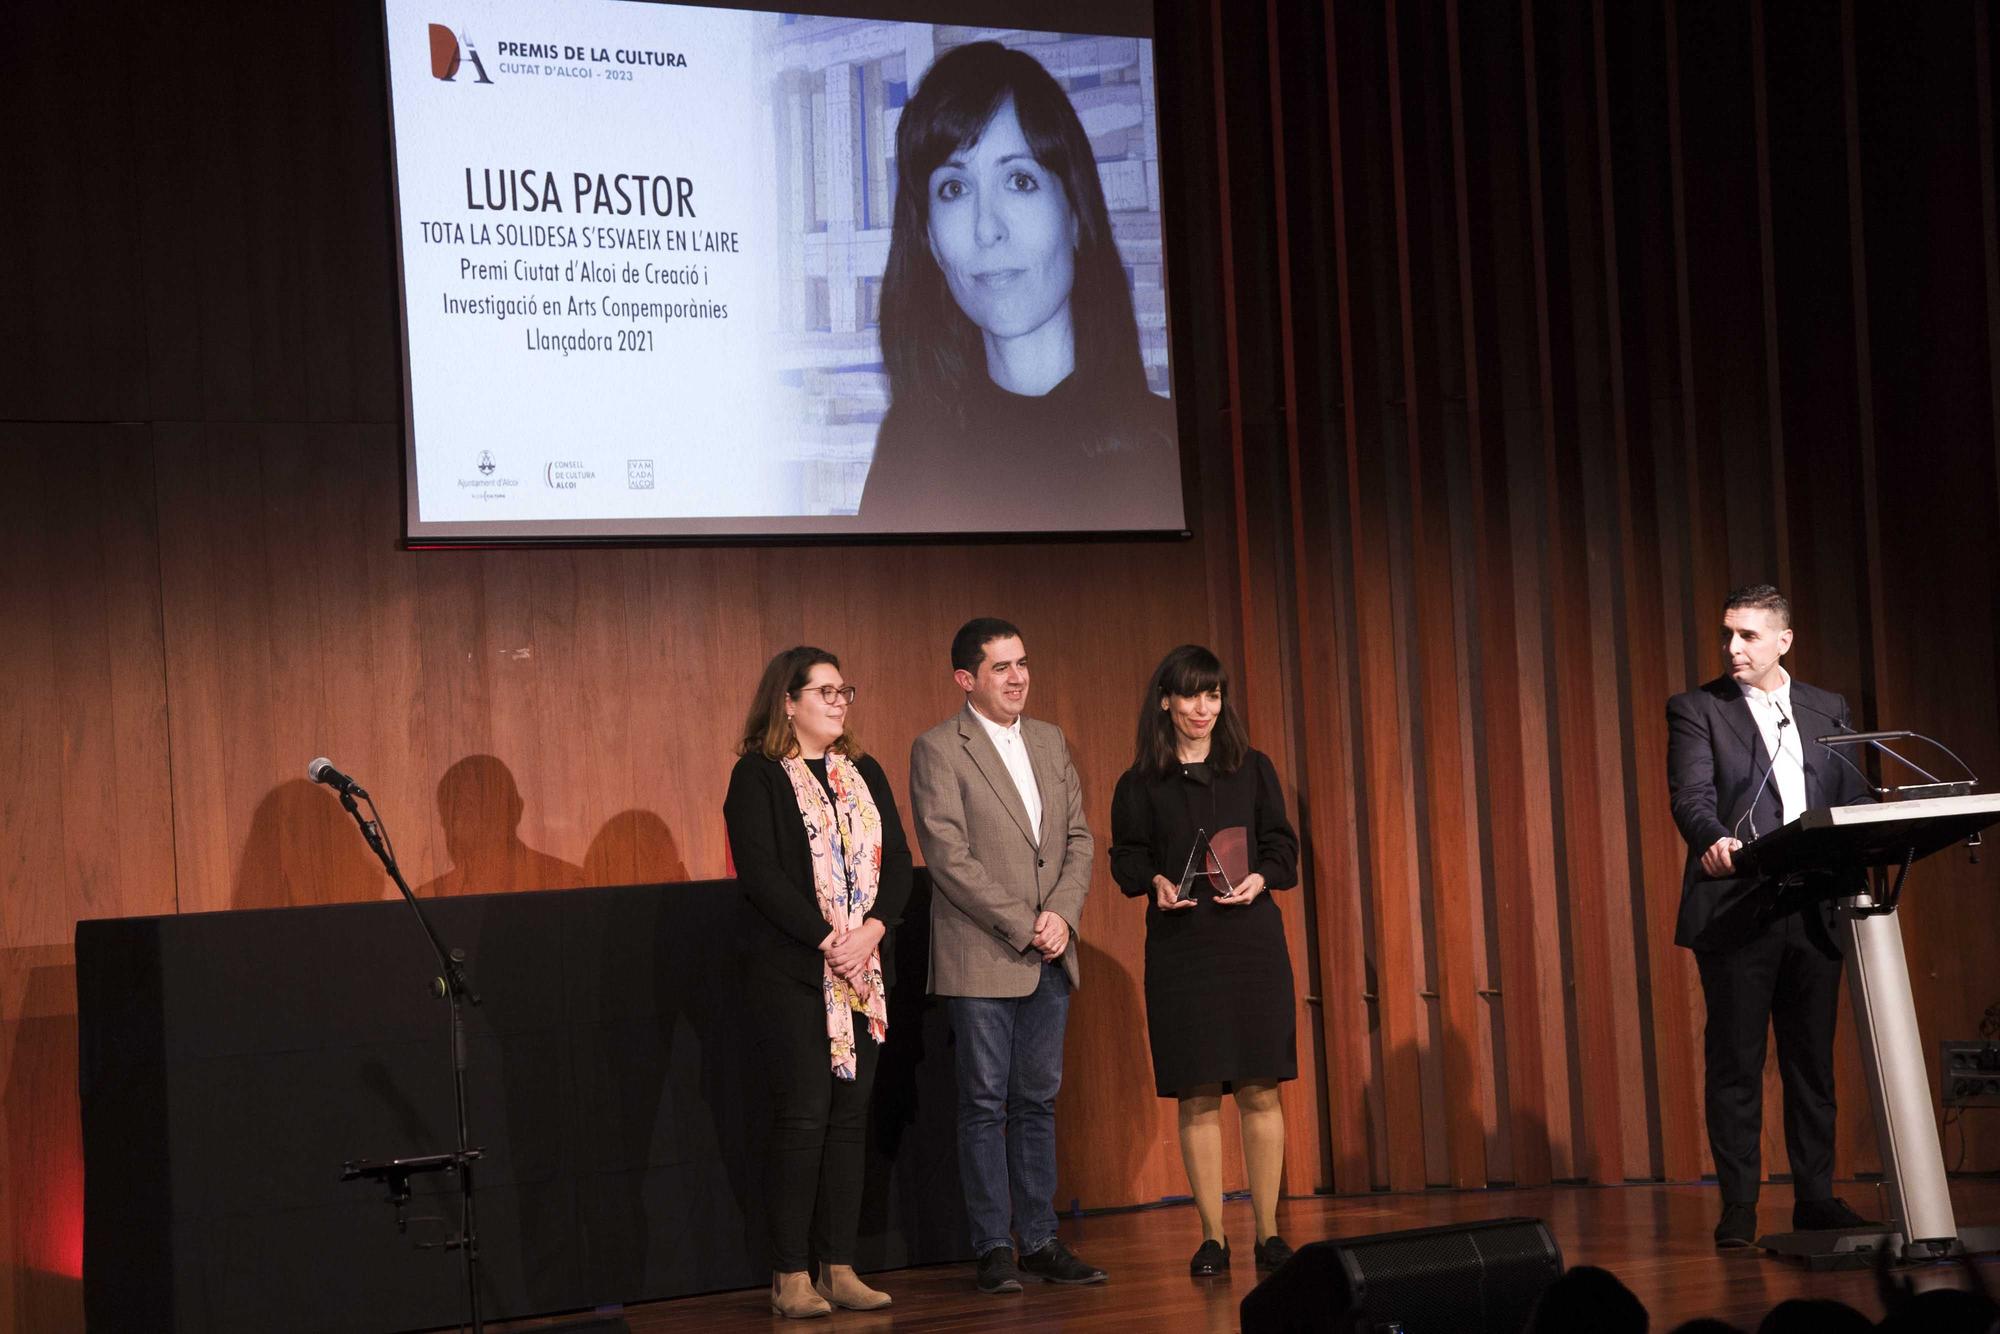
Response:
column 1716, row 759
column 767, row 839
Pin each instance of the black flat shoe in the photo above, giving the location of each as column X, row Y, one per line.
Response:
column 1272, row 1252
column 1738, row 1227
column 1209, row 1261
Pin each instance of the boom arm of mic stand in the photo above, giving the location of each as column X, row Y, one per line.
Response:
column 1840, row 753
column 1909, row 763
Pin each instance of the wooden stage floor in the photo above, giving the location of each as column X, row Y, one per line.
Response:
column 1655, row 1238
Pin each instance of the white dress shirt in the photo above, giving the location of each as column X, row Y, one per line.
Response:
column 1014, row 754
column 1782, row 744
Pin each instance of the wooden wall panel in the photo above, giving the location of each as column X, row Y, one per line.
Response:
column 1288, row 696
column 602, row 690
column 1659, row 403
column 1509, row 722
column 1318, row 397
column 1639, row 102
column 258, row 211
column 76, row 353
column 1934, row 426
column 1439, row 568
column 84, row 814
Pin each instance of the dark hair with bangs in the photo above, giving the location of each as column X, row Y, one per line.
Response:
column 1188, row 670
column 766, row 730
column 934, row 354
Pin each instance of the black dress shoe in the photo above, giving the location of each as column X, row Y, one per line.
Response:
column 1055, row 1263
column 1828, row 1215
column 997, row 1272
column 1209, row 1261
column 1272, row 1253
column 1738, row 1227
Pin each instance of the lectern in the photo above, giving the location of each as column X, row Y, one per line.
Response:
column 1894, row 834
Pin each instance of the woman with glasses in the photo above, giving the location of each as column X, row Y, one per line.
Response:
column 823, row 863
column 1198, row 829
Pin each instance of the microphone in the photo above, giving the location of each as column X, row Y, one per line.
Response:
column 1750, row 811
column 1837, row 742
column 1853, row 738
column 321, row 770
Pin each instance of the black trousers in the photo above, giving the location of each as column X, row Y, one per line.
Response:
column 1787, row 980
column 813, row 1170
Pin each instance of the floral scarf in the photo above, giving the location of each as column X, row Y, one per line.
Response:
column 845, row 836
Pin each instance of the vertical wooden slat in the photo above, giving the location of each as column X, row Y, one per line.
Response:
column 1231, row 339
column 1516, row 811
column 1989, row 214
column 1766, row 245
column 1492, row 1035
column 1389, row 798
column 1303, row 1098
column 1864, row 381
column 1405, row 900
column 1640, row 757
column 1438, row 683
column 1701, row 578
column 1359, row 1128
column 1593, row 889
column 1555, row 627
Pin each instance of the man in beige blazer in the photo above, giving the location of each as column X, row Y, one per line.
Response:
column 999, row 816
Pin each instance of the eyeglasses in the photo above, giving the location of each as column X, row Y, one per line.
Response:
column 845, row 694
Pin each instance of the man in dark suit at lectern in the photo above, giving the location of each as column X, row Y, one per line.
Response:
column 1741, row 762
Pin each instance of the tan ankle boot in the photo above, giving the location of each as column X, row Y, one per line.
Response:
column 792, row 1296
column 840, row 1285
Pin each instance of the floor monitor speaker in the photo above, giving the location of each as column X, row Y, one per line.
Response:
column 1466, row 1278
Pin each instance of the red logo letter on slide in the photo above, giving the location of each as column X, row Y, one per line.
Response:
column 444, row 52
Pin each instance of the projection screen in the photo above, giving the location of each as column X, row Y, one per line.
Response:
column 671, row 271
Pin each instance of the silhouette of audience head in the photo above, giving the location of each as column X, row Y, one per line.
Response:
column 1814, row 1315
column 1941, row 1311
column 1588, row 1300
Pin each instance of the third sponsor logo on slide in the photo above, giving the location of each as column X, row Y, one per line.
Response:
column 567, row 474
column 638, row 474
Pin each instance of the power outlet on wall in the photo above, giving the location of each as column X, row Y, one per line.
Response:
column 1969, row 1073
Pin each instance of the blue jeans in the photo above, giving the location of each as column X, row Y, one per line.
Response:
column 1010, row 1055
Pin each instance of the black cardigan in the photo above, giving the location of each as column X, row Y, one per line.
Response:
column 1154, row 817
column 767, row 840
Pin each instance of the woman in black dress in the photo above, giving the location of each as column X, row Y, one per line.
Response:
column 823, row 863
column 1218, row 977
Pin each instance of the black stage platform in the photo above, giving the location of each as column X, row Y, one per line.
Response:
column 231, row 1062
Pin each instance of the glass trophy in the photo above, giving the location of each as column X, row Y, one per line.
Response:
column 1218, row 863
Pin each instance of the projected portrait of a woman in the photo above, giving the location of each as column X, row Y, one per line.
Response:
column 1018, row 396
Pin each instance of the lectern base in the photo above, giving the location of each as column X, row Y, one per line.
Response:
column 1862, row 1248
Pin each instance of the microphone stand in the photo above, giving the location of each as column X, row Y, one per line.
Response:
column 452, row 986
